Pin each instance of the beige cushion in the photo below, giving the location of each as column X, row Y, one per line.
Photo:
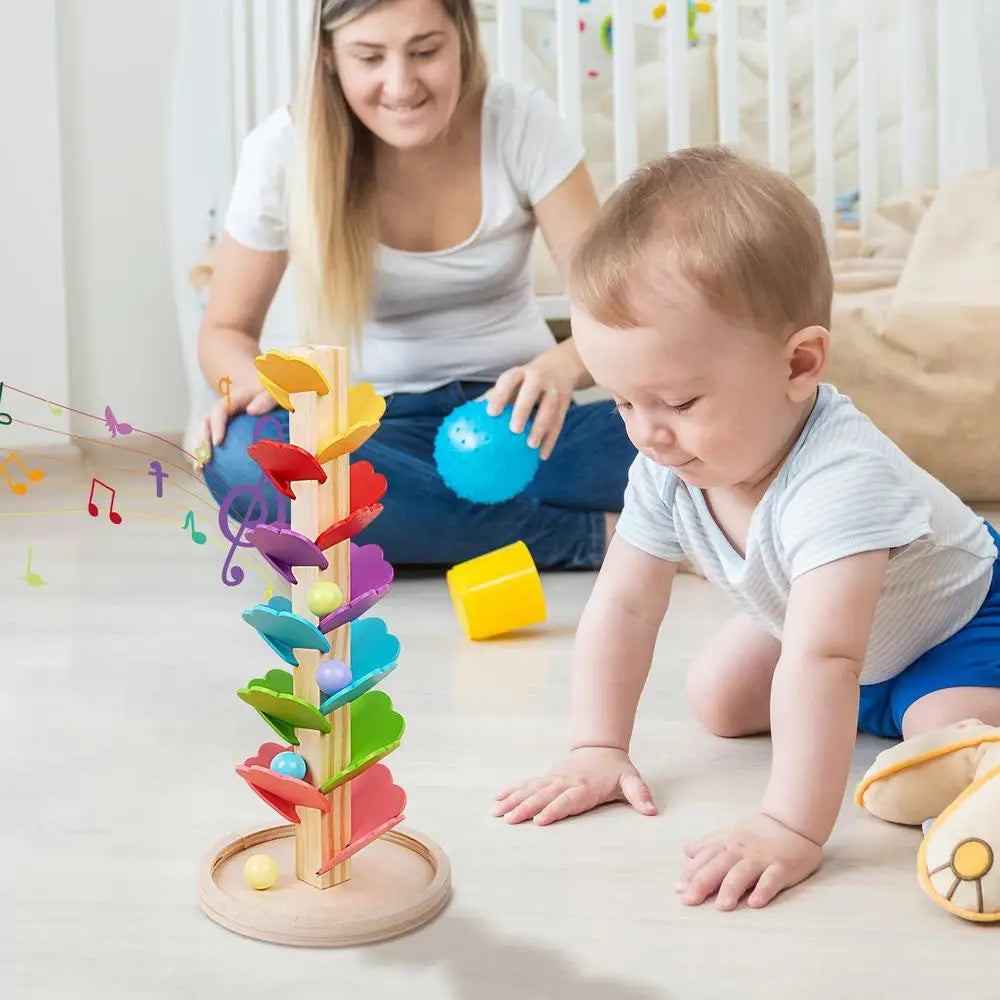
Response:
column 916, row 330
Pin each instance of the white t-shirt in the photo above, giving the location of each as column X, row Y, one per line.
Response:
column 467, row 312
column 845, row 488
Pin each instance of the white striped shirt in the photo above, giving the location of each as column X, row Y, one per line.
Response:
column 845, row 488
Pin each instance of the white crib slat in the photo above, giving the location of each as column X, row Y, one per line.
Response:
column 678, row 92
column 509, row 38
column 623, row 61
column 568, row 64
column 947, row 74
column 242, row 83
column 283, row 46
column 824, row 194
column 868, row 98
column 777, row 83
column 227, row 144
column 262, row 30
column 303, row 35
column 911, row 134
column 727, row 54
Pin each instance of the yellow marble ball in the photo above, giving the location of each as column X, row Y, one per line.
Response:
column 324, row 598
column 260, row 871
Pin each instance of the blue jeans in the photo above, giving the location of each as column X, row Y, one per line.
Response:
column 559, row 516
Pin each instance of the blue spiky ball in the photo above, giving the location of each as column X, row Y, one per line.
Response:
column 480, row 458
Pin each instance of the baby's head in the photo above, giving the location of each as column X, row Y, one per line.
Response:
column 701, row 301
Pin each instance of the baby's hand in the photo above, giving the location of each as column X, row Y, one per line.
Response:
column 588, row 777
column 760, row 854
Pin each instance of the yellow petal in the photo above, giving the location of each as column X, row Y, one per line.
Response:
column 364, row 405
column 279, row 395
column 343, row 444
column 292, row 374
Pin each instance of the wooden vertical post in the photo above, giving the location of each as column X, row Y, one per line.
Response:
column 314, row 421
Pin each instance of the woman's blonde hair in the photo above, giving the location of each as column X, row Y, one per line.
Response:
column 743, row 235
column 332, row 222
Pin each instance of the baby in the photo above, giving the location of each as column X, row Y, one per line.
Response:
column 868, row 593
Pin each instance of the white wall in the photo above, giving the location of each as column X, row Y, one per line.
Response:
column 115, row 68
column 33, row 327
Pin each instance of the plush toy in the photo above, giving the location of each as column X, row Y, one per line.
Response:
column 953, row 774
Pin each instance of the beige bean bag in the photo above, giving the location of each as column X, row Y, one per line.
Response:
column 916, row 330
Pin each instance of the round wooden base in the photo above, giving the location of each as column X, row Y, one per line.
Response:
column 397, row 883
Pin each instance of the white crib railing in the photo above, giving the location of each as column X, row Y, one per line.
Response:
column 265, row 41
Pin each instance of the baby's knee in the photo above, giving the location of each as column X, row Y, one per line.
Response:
column 715, row 705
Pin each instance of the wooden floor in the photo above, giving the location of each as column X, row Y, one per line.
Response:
column 123, row 730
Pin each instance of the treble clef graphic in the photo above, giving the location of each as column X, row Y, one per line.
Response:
column 256, row 509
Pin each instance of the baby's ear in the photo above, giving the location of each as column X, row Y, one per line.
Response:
column 807, row 351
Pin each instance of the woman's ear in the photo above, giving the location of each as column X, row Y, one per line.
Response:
column 807, row 351
column 326, row 54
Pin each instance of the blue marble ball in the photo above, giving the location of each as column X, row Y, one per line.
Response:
column 480, row 458
column 289, row 763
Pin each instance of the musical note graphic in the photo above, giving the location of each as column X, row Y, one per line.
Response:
column 155, row 469
column 30, row 577
column 256, row 509
column 198, row 537
column 113, row 424
column 5, row 418
column 268, row 594
column 113, row 515
column 225, row 384
column 201, row 453
column 53, row 408
column 32, row 475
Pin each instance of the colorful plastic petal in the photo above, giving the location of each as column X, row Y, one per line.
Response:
column 371, row 577
column 285, row 463
column 282, row 374
column 376, row 730
column 377, row 806
column 284, row 549
column 284, row 631
column 280, row 791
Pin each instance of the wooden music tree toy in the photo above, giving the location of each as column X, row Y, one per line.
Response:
column 342, row 871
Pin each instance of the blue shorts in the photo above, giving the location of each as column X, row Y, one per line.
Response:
column 970, row 658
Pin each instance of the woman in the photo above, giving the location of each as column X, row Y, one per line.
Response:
column 417, row 187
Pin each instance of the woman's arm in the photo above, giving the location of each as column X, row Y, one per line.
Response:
column 244, row 283
column 549, row 381
column 563, row 217
column 565, row 213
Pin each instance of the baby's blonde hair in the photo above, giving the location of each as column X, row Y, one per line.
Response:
column 743, row 235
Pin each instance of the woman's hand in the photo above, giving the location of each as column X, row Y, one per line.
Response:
column 588, row 777
column 760, row 856
column 545, row 383
column 250, row 399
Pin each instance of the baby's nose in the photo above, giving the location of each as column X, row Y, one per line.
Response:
column 653, row 437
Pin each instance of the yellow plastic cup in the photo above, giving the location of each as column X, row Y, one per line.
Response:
column 497, row 592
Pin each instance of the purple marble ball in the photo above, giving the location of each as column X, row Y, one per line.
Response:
column 333, row 675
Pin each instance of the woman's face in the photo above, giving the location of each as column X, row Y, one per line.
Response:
column 400, row 70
